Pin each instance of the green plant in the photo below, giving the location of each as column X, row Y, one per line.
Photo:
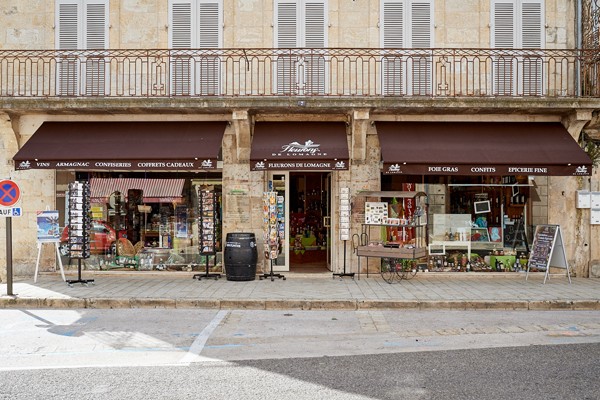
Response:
column 592, row 148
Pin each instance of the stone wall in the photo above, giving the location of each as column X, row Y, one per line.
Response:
column 29, row 24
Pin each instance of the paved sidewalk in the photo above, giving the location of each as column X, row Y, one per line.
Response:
column 122, row 289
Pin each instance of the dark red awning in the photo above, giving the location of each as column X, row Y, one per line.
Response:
column 480, row 148
column 123, row 146
column 296, row 146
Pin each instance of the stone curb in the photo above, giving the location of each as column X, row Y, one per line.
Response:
column 306, row 304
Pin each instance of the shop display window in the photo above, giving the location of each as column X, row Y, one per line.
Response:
column 150, row 224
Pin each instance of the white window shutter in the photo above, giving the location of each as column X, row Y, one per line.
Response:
column 180, row 37
column 68, row 38
column 421, row 32
column 96, row 25
column 503, row 35
column 286, row 24
column 392, row 21
column 314, row 24
column 532, row 25
column 314, row 38
column 209, row 37
column 209, row 24
column 68, row 26
column 421, row 26
column 286, row 36
column 532, row 36
column 180, row 32
column 393, row 17
column 96, row 32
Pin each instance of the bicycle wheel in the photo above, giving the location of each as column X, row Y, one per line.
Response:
column 409, row 269
column 387, row 270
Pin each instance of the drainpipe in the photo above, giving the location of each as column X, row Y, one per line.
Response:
column 579, row 34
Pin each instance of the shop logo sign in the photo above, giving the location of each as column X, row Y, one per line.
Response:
column 308, row 148
column 207, row 164
column 24, row 165
column 581, row 170
column 394, row 169
column 259, row 165
column 340, row 165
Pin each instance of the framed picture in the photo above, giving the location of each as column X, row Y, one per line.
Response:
column 495, row 234
column 480, row 235
column 482, row 207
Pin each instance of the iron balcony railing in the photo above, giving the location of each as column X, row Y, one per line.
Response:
column 330, row 72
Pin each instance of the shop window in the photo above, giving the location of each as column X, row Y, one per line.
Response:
column 144, row 221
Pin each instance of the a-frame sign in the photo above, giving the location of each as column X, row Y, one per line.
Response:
column 548, row 251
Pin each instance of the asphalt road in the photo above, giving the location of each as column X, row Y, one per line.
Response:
column 234, row 354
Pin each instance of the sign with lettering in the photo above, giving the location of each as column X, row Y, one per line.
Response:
column 10, row 194
column 547, row 250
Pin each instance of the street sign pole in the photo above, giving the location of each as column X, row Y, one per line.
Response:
column 9, row 267
column 10, row 194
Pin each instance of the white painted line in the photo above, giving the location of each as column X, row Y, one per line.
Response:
column 193, row 354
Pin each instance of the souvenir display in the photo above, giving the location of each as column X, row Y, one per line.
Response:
column 79, row 220
column 375, row 212
column 344, row 214
column 273, row 224
column 206, row 222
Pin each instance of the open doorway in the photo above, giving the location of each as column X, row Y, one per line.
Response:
column 309, row 227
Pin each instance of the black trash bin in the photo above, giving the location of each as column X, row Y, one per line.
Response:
column 241, row 256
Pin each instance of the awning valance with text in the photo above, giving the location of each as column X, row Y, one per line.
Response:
column 167, row 146
column 296, row 146
column 153, row 190
column 480, row 148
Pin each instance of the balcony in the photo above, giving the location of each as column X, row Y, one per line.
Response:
column 365, row 74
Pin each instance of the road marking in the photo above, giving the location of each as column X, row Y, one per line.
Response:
column 193, row 354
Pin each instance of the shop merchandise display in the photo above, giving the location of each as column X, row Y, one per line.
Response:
column 79, row 227
column 207, row 202
column 273, row 230
column 79, row 220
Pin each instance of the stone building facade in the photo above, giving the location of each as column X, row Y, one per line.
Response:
column 30, row 25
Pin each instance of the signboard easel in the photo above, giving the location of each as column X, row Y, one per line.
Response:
column 548, row 250
column 37, row 263
column 48, row 231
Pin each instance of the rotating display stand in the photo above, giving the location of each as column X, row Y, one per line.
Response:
column 79, row 227
column 207, row 202
column 274, row 230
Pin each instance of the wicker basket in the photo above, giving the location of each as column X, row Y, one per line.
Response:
column 125, row 248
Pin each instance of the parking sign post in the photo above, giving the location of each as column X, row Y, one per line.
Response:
column 10, row 195
column 9, row 272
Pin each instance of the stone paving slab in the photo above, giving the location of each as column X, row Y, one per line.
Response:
column 113, row 289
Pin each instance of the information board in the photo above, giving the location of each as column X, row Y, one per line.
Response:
column 547, row 250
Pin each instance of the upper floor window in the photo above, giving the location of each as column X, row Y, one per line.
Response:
column 406, row 24
column 195, row 24
column 301, row 24
column 81, row 25
column 518, row 24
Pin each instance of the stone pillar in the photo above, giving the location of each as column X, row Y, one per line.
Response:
column 363, row 174
column 242, row 189
column 37, row 193
column 575, row 226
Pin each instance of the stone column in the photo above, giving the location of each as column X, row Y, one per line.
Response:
column 574, row 222
column 242, row 189
column 363, row 174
